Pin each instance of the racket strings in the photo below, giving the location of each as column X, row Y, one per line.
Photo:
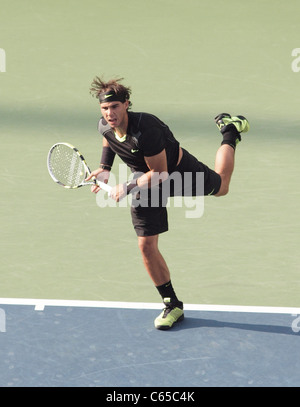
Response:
column 66, row 166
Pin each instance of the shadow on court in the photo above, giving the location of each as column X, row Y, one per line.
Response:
column 193, row 323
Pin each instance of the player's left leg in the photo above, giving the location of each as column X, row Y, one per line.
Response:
column 230, row 127
column 224, row 166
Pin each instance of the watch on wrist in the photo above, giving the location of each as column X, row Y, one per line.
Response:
column 105, row 167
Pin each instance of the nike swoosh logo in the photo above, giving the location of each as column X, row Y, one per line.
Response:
column 108, row 96
column 134, row 151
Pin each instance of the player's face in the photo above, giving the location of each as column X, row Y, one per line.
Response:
column 115, row 113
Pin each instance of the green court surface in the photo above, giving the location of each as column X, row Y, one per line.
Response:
column 186, row 61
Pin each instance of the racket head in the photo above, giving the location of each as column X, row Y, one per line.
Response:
column 67, row 166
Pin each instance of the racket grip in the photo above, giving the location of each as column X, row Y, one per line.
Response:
column 104, row 186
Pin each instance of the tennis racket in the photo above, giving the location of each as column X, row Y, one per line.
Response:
column 68, row 168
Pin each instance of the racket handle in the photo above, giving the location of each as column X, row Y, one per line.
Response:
column 104, row 186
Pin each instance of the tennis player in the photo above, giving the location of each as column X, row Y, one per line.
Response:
column 153, row 154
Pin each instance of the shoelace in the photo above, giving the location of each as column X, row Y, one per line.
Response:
column 167, row 310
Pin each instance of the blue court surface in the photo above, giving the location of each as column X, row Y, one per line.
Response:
column 47, row 343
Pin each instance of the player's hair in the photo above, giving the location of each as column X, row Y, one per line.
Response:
column 99, row 86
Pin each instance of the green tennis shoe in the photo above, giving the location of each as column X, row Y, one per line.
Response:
column 170, row 315
column 240, row 122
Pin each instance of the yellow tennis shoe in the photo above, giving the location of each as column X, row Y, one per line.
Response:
column 171, row 314
column 240, row 122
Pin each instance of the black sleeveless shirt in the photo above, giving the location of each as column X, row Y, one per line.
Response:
column 146, row 136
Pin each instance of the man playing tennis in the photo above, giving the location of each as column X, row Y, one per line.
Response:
column 151, row 151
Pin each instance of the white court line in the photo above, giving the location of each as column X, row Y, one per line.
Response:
column 40, row 304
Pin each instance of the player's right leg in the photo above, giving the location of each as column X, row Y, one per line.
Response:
column 160, row 275
column 149, row 222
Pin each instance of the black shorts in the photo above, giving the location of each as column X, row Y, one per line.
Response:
column 149, row 213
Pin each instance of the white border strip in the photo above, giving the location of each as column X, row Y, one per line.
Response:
column 40, row 304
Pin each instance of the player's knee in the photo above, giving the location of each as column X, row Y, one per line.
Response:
column 224, row 188
column 223, row 191
column 147, row 246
